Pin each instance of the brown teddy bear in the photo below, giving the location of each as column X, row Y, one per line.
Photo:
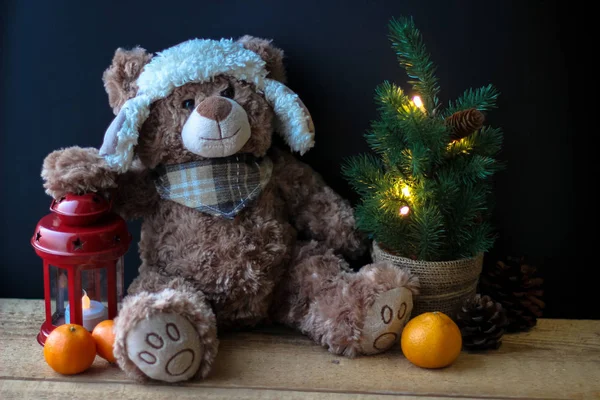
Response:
column 234, row 231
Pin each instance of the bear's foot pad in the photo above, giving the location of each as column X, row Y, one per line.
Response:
column 385, row 320
column 165, row 347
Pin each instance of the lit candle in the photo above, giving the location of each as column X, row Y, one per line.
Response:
column 93, row 312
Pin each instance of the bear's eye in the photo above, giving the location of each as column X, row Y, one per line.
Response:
column 188, row 104
column 228, row 92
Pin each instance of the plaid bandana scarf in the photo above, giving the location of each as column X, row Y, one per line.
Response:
column 217, row 186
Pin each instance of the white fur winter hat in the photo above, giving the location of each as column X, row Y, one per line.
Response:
column 200, row 60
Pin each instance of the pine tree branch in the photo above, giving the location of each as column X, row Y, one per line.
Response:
column 471, row 168
column 466, row 213
column 385, row 227
column 443, row 190
column 427, row 232
column 462, row 146
column 414, row 58
column 487, row 141
column 480, row 240
column 386, row 136
column 365, row 173
column 483, row 99
column 390, row 96
column 405, row 163
column 418, row 161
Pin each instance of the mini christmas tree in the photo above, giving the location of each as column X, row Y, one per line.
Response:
column 425, row 189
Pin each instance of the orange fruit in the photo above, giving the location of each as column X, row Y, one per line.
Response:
column 70, row 349
column 431, row 340
column 104, row 336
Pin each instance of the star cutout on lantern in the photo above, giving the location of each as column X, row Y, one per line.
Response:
column 38, row 236
column 117, row 239
column 78, row 244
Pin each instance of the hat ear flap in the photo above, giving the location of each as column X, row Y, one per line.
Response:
column 121, row 137
column 109, row 145
column 294, row 122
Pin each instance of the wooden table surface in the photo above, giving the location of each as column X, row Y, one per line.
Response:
column 557, row 359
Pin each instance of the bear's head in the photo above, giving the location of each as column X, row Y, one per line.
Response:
column 201, row 99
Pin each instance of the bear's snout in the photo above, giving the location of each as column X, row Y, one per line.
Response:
column 218, row 127
column 216, row 108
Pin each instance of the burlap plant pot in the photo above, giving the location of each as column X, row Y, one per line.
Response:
column 444, row 284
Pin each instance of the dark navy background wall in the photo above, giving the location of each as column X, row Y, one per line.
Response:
column 54, row 53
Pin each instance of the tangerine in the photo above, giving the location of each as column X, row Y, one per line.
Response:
column 104, row 336
column 70, row 349
column 431, row 340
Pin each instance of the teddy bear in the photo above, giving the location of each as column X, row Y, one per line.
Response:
column 235, row 230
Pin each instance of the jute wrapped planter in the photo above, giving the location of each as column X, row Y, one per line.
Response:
column 444, row 284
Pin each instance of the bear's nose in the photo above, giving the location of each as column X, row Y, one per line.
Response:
column 215, row 107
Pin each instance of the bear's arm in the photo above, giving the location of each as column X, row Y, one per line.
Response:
column 81, row 170
column 136, row 195
column 314, row 208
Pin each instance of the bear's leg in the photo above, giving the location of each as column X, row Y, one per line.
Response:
column 350, row 313
column 165, row 330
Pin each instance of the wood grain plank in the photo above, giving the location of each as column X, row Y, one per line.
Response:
column 55, row 390
column 557, row 359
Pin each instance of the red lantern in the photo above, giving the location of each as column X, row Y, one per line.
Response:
column 82, row 244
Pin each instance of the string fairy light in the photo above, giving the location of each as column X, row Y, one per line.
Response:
column 418, row 102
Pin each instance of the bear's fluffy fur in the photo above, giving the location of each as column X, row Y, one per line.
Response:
column 280, row 259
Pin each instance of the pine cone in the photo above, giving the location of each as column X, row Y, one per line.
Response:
column 482, row 323
column 463, row 123
column 515, row 285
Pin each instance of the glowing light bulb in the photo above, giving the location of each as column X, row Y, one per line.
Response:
column 404, row 210
column 85, row 301
column 406, row 191
column 418, row 102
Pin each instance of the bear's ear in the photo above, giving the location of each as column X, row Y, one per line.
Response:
column 120, row 78
column 272, row 55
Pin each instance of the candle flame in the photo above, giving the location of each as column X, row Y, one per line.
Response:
column 85, row 301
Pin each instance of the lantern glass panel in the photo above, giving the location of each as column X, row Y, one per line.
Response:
column 101, row 291
column 59, row 294
column 94, row 285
